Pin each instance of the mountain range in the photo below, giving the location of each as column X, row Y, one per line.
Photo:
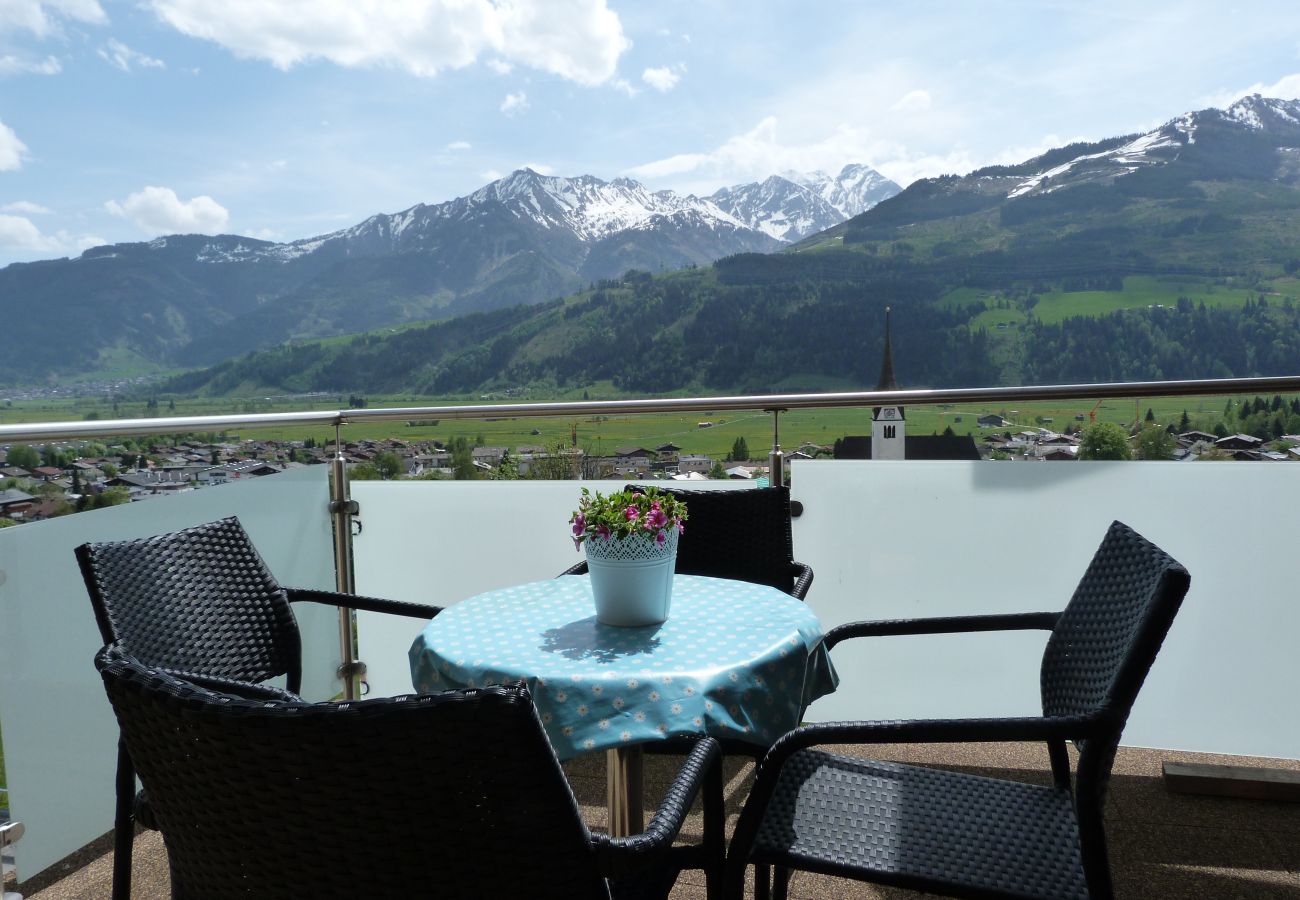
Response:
column 187, row 300
column 1162, row 255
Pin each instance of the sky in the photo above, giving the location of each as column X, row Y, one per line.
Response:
column 285, row 119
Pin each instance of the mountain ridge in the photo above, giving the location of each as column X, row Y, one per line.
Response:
column 185, row 300
column 1163, row 255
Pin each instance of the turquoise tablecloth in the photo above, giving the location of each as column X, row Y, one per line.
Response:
column 734, row 659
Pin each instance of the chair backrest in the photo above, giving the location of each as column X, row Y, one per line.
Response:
column 199, row 600
column 456, row 794
column 1107, row 638
column 742, row 534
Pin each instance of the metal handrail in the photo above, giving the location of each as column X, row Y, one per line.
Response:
column 342, row 509
column 82, row 430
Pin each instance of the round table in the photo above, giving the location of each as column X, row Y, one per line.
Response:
column 734, row 660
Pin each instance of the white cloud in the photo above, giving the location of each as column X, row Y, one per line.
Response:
column 1285, row 88
column 459, row 145
column 580, row 40
column 123, row 57
column 15, row 65
column 539, row 168
column 266, row 234
column 490, row 175
column 500, row 66
column 18, row 233
column 760, row 152
column 514, row 103
column 12, row 150
column 622, row 84
column 665, row 78
column 42, row 17
column 26, row 207
column 157, row 210
column 913, row 100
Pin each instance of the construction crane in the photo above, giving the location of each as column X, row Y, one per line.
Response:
column 1092, row 413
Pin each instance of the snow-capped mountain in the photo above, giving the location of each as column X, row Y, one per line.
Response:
column 585, row 209
column 794, row 205
column 1103, row 162
column 855, row 190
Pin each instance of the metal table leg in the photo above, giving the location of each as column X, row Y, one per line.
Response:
column 625, row 790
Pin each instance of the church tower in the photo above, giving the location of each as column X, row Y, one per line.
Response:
column 888, row 428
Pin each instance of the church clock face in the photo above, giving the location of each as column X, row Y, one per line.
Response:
column 889, row 413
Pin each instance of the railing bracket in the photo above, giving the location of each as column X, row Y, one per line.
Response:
column 350, row 507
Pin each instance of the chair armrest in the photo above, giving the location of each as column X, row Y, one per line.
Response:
column 623, row 855
column 245, row 690
column 934, row 731
column 575, row 569
column 943, row 625
column 369, row 604
column 803, row 579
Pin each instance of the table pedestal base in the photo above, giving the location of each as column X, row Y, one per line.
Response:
column 624, row 790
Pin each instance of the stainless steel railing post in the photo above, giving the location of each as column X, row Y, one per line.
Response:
column 342, row 508
column 775, row 458
column 10, row 832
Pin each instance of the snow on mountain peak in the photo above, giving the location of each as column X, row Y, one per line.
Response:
column 793, row 205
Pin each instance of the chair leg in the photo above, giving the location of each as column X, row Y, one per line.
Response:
column 715, row 839
column 780, row 883
column 762, row 882
column 123, row 824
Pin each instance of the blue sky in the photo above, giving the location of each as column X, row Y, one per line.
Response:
column 283, row 119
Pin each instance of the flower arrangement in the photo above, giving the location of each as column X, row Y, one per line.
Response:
column 626, row 513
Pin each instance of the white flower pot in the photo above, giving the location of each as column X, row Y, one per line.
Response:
column 632, row 578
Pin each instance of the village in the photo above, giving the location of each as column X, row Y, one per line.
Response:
column 76, row 482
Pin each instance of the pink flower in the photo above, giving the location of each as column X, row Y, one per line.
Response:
column 656, row 518
column 579, row 525
column 681, row 527
column 631, row 513
column 602, row 531
column 661, row 537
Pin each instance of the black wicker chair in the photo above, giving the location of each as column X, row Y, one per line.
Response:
column 742, row 534
column 960, row 834
column 202, row 603
column 455, row 795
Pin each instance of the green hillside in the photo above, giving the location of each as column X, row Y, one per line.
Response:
column 1162, row 256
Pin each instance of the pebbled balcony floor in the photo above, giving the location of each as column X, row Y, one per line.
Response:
column 1162, row 844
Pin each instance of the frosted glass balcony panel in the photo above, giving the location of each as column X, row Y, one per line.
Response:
column 60, row 738
column 909, row 539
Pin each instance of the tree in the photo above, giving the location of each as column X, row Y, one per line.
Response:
column 24, row 457
column 6, row 523
column 1104, row 440
column 717, row 471
column 1151, row 415
column 363, row 471
column 462, row 460
column 1154, row 442
column 1184, row 424
column 507, row 469
column 110, row 497
column 389, row 465
column 739, row 451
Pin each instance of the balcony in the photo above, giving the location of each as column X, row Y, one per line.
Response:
column 886, row 539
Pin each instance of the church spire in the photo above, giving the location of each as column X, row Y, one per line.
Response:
column 887, row 382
